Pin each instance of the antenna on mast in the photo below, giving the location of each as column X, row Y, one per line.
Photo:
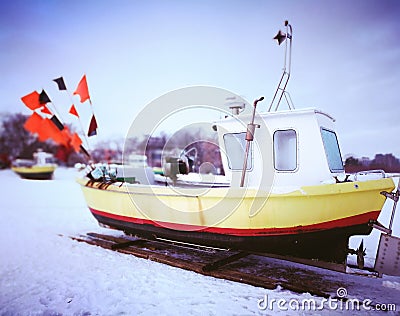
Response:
column 281, row 37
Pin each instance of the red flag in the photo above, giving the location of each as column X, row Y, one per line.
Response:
column 37, row 125
column 44, row 132
column 66, row 133
column 45, row 129
column 42, row 135
column 63, row 153
column 34, row 123
column 92, row 127
column 31, row 100
column 54, row 132
column 82, row 89
column 45, row 110
column 76, row 142
column 73, row 111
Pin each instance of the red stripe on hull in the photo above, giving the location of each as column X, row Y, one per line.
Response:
column 338, row 223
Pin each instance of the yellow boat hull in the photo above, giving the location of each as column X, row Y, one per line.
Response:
column 295, row 222
column 35, row 172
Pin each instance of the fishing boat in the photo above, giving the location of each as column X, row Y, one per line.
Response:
column 41, row 167
column 285, row 190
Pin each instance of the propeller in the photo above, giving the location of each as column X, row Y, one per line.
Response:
column 361, row 252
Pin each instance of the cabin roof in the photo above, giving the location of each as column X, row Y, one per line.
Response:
column 298, row 112
column 279, row 115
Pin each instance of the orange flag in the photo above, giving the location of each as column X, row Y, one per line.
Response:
column 82, row 89
column 45, row 129
column 73, row 111
column 54, row 133
column 45, row 110
column 43, row 133
column 76, row 142
column 37, row 125
column 34, row 123
column 66, row 133
column 31, row 100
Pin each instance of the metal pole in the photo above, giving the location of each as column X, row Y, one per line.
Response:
column 251, row 127
column 395, row 199
column 286, row 70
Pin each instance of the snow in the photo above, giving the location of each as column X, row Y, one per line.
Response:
column 43, row 272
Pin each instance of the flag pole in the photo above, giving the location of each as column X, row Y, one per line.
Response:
column 43, row 97
column 47, row 101
column 91, row 107
column 80, row 122
column 61, row 86
column 83, row 91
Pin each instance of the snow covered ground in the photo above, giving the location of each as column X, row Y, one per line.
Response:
column 43, row 272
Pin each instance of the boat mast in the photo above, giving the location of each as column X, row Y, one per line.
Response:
column 281, row 37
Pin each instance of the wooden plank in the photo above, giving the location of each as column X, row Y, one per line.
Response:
column 110, row 237
column 217, row 269
column 338, row 267
column 224, row 261
column 236, row 276
column 178, row 263
column 138, row 242
column 95, row 242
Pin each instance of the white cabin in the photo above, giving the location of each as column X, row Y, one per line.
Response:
column 290, row 149
column 42, row 158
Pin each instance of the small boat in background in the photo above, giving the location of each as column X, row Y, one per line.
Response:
column 40, row 168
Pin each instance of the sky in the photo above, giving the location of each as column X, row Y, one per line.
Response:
column 345, row 60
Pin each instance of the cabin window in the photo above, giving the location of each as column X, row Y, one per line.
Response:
column 235, row 146
column 285, row 150
column 332, row 150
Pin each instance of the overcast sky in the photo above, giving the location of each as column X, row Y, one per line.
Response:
column 346, row 58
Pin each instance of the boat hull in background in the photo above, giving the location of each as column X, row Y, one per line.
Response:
column 35, row 172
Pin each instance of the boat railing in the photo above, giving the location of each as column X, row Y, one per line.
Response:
column 367, row 172
column 23, row 163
